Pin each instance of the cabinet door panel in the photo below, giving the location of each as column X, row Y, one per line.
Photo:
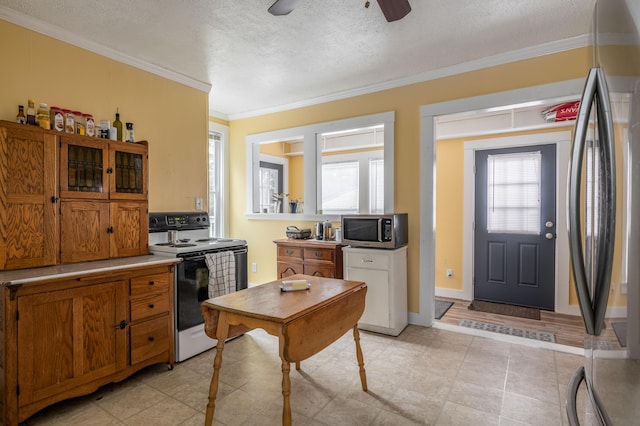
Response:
column 377, row 309
column 83, row 168
column 28, row 185
column 129, row 178
column 130, row 223
column 84, row 234
column 69, row 337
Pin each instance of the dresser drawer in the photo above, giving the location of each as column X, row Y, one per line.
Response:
column 148, row 306
column 149, row 338
column 320, row 270
column 366, row 260
column 320, row 254
column 150, row 283
column 290, row 251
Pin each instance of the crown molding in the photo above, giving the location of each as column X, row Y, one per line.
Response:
column 474, row 65
column 61, row 34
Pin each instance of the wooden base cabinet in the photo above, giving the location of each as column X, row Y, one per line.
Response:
column 64, row 338
column 309, row 257
column 385, row 272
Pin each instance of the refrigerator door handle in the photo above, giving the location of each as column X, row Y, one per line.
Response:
column 600, row 414
column 607, row 222
column 573, row 199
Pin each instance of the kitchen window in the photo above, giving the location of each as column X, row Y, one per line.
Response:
column 218, row 185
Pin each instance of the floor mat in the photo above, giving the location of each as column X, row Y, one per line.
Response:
column 504, row 309
column 442, row 306
column 621, row 332
column 512, row 331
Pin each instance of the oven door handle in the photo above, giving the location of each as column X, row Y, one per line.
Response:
column 202, row 256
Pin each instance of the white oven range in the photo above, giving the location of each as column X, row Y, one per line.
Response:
column 192, row 275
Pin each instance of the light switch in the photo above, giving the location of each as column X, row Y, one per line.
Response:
column 198, row 203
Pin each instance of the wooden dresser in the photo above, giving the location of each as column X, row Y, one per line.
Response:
column 309, row 257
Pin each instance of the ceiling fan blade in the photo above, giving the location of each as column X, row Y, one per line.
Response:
column 282, row 7
column 394, row 9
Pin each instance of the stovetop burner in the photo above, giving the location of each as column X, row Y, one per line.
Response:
column 176, row 245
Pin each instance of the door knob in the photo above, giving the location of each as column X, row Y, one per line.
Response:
column 549, row 236
column 549, row 224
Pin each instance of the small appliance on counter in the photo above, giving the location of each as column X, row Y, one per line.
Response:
column 296, row 233
column 385, row 231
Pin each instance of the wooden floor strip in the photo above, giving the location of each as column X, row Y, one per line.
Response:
column 568, row 329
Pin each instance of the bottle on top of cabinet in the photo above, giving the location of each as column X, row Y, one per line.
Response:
column 44, row 118
column 90, row 125
column 69, row 121
column 130, row 134
column 118, row 126
column 57, row 119
column 21, row 118
column 31, row 113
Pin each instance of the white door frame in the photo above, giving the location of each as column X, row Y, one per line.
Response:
column 562, row 141
column 428, row 113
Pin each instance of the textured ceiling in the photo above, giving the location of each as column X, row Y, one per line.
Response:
column 325, row 48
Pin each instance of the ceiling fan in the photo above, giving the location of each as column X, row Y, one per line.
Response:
column 393, row 10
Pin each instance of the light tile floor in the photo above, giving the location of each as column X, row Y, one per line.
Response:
column 426, row 376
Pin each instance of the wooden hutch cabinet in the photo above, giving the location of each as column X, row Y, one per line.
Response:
column 309, row 257
column 65, row 336
column 101, row 188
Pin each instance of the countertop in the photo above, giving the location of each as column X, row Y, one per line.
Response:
column 70, row 270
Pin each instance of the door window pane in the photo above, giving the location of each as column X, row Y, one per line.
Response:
column 513, row 193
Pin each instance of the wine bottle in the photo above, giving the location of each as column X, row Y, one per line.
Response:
column 118, row 125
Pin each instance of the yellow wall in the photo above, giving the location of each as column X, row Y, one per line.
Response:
column 170, row 115
column 406, row 102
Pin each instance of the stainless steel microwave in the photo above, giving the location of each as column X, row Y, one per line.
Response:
column 386, row 231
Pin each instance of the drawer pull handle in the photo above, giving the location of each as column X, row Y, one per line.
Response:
column 317, row 274
column 151, row 306
column 367, row 260
column 289, row 252
column 151, row 339
column 152, row 283
column 318, row 254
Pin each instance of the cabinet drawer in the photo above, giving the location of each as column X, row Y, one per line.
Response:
column 367, row 260
column 289, row 251
column 147, row 283
column 320, row 270
column 148, row 306
column 322, row 254
column 149, row 339
column 286, row 269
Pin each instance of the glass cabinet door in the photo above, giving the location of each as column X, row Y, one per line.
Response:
column 129, row 171
column 83, row 168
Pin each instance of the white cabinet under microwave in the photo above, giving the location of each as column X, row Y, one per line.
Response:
column 385, row 272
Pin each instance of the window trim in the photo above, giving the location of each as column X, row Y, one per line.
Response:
column 310, row 135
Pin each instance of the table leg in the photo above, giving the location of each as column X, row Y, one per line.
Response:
column 221, row 333
column 286, row 391
column 297, row 365
column 363, row 373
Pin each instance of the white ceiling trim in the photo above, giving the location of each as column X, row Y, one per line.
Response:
column 61, row 34
column 486, row 62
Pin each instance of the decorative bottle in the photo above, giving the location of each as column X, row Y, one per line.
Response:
column 118, row 126
column 31, row 113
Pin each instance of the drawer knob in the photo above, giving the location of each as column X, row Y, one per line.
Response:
column 123, row 324
column 152, row 283
column 151, row 306
column 151, row 339
column 289, row 252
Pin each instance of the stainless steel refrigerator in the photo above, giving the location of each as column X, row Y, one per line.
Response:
column 604, row 219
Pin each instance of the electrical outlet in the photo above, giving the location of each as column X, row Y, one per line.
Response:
column 198, row 203
column 449, row 273
column 254, row 267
